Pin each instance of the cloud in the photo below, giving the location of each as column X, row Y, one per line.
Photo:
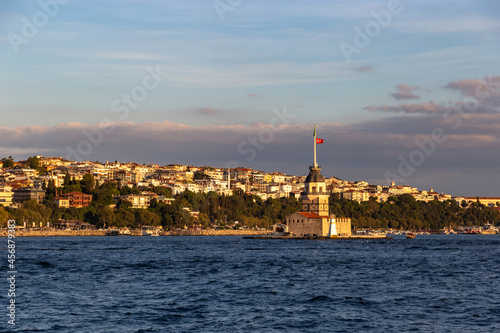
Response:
column 477, row 96
column 485, row 90
column 405, row 92
column 209, row 111
column 255, row 96
column 427, row 107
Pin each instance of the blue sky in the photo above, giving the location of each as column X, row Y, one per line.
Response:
column 222, row 75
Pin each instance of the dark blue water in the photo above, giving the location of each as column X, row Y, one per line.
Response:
column 229, row 284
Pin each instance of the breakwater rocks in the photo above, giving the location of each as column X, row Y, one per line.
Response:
column 65, row 233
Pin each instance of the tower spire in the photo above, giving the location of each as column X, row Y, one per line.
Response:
column 314, row 135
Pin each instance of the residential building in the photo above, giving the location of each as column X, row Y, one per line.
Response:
column 137, row 201
column 76, row 199
column 6, row 195
column 28, row 193
column 358, row 196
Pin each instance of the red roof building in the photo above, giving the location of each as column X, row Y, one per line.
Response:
column 76, row 199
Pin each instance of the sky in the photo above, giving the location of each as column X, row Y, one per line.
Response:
column 399, row 90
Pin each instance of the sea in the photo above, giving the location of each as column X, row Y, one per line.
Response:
column 433, row 283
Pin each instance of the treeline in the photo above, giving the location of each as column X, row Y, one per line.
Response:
column 404, row 212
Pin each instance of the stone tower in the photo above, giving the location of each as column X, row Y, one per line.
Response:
column 315, row 197
column 315, row 219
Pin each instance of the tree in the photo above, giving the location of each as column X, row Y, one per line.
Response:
column 50, row 190
column 124, row 218
column 70, row 213
column 41, row 211
column 154, row 203
column 104, row 195
column 123, row 204
column 144, row 217
column 67, row 179
column 8, row 162
column 4, row 215
column 28, row 216
column 204, row 220
column 33, row 162
column 56, row 211
column 87, row 183
column 105, row 217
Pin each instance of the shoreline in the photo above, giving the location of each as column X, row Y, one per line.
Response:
column 262, row 234
column 78, row 233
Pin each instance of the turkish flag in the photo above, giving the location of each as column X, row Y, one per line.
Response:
column 318, row 141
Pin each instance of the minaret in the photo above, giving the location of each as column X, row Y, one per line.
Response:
column 315, row 197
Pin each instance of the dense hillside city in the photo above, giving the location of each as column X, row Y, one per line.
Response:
column 55, row 192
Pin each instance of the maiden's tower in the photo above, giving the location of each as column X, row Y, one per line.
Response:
column 315, row 218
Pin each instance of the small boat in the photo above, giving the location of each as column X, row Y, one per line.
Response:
column 147, row 231
column 112, row 232
column 410, row 235
column 150, row 231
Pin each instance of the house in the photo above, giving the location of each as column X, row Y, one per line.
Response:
column 28, row 193
column 62, row 202
column 137, row 201
column 354, row 195
column 76, row 199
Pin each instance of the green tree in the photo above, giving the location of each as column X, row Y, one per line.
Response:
column 146, row 218
column 105, row 217
column 42, row 212
column 4, row 216
column 124, row 218
column 70, row 213
column 67, row 180
column 87, row 183
column 204, row 220
column 34, row 163
column 8, row 162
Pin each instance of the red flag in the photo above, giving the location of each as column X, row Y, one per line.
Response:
column 318, row 141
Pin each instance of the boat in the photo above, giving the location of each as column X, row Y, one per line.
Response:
column 147, row 230
column 488, row 229
column 410, row 235
column 150, row 231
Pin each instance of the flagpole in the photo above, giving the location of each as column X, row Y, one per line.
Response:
column 315, row 164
